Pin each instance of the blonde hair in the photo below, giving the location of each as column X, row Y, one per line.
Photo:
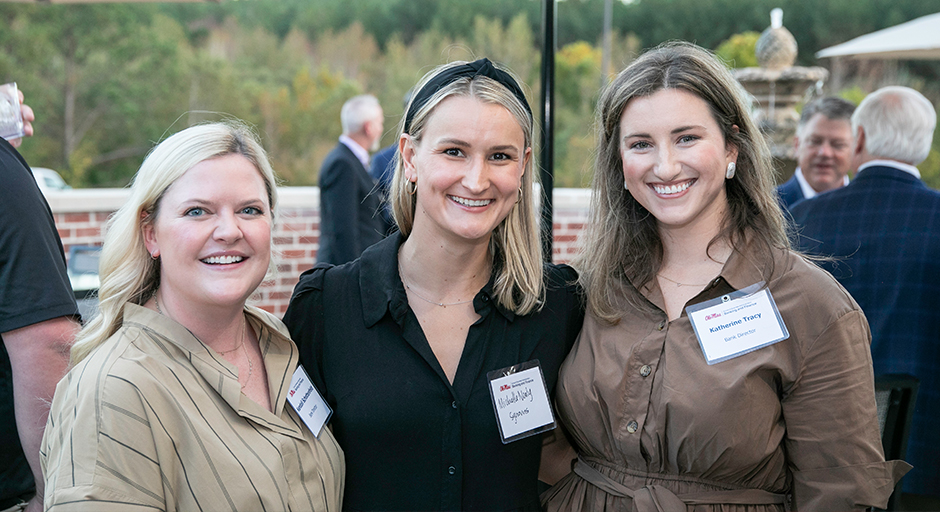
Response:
column 127, row 272
column 621, row 244
column 515, row 245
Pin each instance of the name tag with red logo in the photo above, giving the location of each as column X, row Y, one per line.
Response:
column 307, row 401
column 520, row 401
column 737, row 323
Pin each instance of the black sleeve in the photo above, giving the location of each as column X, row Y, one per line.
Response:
column 304, row 320
column 34, row 285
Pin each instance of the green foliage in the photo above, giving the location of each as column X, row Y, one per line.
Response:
column 854, row 94
column 109, row 81
column 738, row 50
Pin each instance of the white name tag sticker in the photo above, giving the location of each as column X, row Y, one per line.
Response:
column 307, row 401
column 520, row 400
column 737, row 323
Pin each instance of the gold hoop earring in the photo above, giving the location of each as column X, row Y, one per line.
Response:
column 414, row 187
column 519, row 197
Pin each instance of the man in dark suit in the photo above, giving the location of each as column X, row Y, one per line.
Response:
column 823, row 145
column 883, row 228
column 350, row 205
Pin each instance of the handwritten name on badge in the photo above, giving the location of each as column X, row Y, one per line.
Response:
column 307, row 402
column 521, row 402
column 737, row 323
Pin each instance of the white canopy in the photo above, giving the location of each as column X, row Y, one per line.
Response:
column 916, row 39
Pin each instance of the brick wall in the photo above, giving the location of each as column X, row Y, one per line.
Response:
column 80, row 216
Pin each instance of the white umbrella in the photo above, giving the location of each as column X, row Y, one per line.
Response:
column 916, row 39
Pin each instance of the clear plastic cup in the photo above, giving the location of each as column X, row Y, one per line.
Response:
column 11, row 117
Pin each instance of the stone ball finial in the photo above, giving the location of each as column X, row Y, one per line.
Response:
column 776, row 48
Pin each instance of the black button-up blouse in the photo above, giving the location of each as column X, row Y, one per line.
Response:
column 412, row 440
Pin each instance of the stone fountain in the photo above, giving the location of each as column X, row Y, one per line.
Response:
column 777, row 86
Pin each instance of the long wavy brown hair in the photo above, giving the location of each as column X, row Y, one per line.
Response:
column 622, row 245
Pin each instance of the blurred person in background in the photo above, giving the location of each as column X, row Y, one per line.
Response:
column 824, row 146
column 350, row 203
column 883, row 231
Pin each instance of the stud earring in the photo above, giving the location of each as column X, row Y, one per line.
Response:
column 625, row 186
column 730, row 172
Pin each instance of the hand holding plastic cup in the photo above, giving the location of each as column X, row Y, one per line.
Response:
column 11, row 116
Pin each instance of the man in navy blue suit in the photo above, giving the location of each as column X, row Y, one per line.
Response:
column 823, row 145
column 883, row 228
column 350, row 205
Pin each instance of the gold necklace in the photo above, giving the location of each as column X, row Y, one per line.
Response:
column 678, row 284
column 425, row 299
column 242, row 344
column 251, row 365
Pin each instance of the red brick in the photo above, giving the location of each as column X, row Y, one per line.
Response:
column 283, row 240
column 298, row 227
column 88, row 232
column 308, row 240
column 294, row 254
column 76, row 217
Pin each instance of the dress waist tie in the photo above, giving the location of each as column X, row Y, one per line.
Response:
column 656, row 498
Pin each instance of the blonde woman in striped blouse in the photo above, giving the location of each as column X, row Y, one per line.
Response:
column 178, row 395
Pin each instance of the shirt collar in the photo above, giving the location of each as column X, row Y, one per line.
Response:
column 280, row 354
column 361, row 153
column 908, row 168
column 382, row 290
column 808, row 191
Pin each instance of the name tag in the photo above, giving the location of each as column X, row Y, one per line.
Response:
column 737, row 323
column 520, row 401
column 307, row 401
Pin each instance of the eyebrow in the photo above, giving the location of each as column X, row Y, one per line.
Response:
column 461, row 143
column 673, row 132
column 456, row 142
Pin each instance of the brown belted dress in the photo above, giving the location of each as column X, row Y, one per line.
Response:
column 791, row 426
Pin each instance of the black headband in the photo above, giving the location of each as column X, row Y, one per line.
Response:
column 482, row 67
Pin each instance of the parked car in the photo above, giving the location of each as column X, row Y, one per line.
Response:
column 47, row 179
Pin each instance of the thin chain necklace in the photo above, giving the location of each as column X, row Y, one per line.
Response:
column 429, row 301
column 251, row 365
column 678, row 284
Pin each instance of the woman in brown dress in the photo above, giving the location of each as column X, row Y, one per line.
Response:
column 717, row 369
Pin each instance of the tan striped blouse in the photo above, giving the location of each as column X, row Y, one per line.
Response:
column 154, row 420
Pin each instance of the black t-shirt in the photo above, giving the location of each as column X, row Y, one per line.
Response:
column 34, row 287
column 412, row 440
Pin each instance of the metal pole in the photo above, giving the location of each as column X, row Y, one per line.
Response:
column 605, row 55
column 547, row 156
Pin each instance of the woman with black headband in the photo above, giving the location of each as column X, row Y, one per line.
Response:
column 438, row 348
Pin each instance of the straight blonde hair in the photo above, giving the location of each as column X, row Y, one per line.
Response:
column 515, row 244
